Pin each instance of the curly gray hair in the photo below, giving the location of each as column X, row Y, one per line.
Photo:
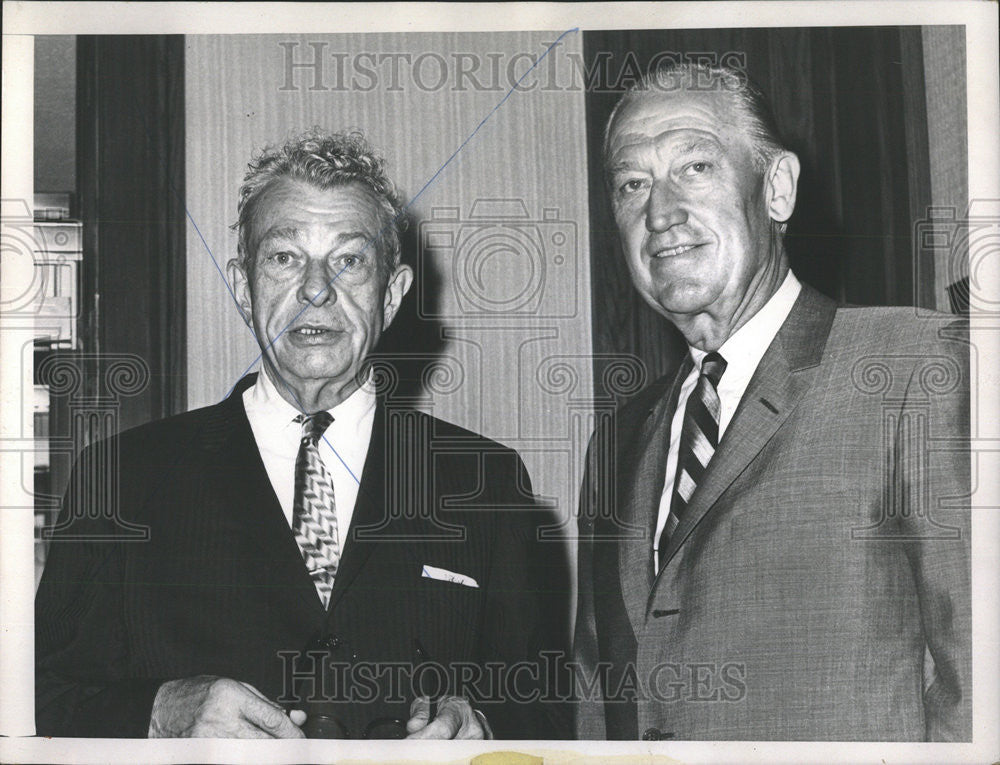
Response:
column 326, row 160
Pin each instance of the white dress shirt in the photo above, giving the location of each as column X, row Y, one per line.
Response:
column 742, row 351
column 343, row 447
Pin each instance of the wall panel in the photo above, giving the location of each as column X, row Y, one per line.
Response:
column 505, row 309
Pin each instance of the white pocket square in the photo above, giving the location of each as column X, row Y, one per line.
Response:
column 443, row 574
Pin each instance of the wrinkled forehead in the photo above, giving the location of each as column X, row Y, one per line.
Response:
column 288, row 203
column 651, row 119
column 298, row 193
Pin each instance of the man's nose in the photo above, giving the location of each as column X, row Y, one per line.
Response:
column 664, row 208
column 316, row 285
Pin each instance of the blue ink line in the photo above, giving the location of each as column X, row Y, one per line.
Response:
column 225, row 281
column 409, row 204
column 406, row 207
column 215, row 263
column 349, row 471
column 492, row 112
column 260, row 355
column 459, row 149
column 190, row 217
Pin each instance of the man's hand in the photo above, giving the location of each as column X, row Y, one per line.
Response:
column 455, row 719
column 217, row 707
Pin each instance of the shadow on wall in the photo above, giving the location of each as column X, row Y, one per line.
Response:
column 412, row 348
column 413, row 344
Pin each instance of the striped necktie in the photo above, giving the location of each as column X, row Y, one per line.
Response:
column 699, row 440
column 314, row 514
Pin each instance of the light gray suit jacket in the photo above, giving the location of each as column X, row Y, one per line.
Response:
column 818, row 585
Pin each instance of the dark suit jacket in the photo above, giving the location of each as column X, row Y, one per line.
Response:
column 219, row 587
column 818, row 584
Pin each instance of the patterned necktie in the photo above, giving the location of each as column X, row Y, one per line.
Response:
column 314, row 514
column 699, row 440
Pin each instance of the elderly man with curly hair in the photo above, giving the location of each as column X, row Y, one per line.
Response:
column 319, row 561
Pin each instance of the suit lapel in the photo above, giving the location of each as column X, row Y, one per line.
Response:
column 784, row 374
column 370, row 511
column 642, row 470
column 237, row 477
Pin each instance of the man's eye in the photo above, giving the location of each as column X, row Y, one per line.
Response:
column 697, row 168
column 351, row 262
column 280, row 258
column 631, row 186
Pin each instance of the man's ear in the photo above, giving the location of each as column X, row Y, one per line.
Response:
column 399, row 284
column 782, row 183
column 241, row 289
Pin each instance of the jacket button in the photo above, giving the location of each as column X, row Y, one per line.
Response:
column 651, row 734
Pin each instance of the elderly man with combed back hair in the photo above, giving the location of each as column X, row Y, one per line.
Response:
column 319, row 560
column 769, row 546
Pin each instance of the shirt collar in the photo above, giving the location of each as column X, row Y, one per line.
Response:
column 276, row 413
column 746, row 346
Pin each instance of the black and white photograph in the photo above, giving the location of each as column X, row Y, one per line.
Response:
column 500, row 382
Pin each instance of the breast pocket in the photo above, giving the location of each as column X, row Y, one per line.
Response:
column 450, row 609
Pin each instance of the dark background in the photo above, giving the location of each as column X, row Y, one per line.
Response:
column 851, row 103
